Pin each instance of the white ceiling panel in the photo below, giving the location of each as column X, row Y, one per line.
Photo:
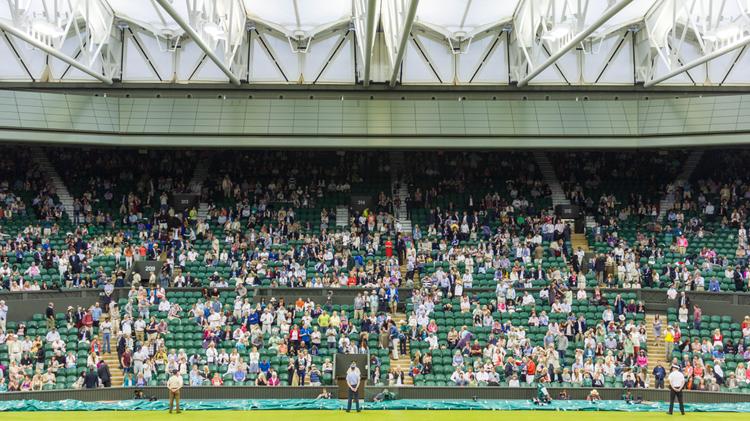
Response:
column 465, row 15
column 12, row 68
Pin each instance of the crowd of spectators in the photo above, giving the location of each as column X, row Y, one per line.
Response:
column 480, row 220
column 520, row 338
column 698, row 243
column 594, row 182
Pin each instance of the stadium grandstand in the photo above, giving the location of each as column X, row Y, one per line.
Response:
column 383, row 205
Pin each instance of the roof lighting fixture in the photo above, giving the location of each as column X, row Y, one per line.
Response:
column 459, row 42
column 299, row 42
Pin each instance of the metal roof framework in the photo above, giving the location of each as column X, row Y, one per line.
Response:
column 446, row 43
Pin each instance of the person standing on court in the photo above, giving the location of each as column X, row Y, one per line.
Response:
column 676, row 384
column 352, row 382
column 174, row 384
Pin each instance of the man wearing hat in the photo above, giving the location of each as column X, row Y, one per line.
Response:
column 174, row 384
column 676, row 384
column 352, row 381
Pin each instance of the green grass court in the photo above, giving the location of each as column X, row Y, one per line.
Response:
column 310, row 415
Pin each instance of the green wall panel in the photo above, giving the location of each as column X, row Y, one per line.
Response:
column 258, row 118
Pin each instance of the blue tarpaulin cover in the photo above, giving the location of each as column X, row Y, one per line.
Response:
column 408, row 404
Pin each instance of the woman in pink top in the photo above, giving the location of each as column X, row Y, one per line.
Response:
column 274, row 380
column 432, row 327
column 642, row 360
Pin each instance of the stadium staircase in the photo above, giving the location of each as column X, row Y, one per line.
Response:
column 667, row 202
column 550, row 178
column 580, row 240
column 404, row 362
column 656, row 349
column 342, row 216
column 415, row 278
column 200, row 173
column 400, row 189
column 40, row 158
column 113, row 363
column 559, row 197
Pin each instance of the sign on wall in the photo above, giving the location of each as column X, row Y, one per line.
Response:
column 145, row 268
column 361, row 202
column 182, row 201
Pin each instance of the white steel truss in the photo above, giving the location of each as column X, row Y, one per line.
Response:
column 673, row 26
column 393, row 42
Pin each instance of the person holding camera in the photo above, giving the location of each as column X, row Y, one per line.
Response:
column 174, row 384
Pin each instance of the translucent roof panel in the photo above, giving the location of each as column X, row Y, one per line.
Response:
column 465, row 15
column 632, row 13
column 299, row 15
column 453, row 42
column 148, row 14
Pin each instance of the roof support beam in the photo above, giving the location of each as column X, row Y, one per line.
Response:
column 52, row 51
column 165, row 4
column 697, row 62
column 574, row 42
column 369, row 38
column 411, row 14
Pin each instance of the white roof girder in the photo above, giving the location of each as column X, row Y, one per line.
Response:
column 670, row 37
column 48, row 25
column 714, row 27
column 398, row 18
column 218, row 32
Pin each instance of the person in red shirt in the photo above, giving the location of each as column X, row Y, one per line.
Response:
column 388, row 248
column 530, row 371
column 88, row 320
column 718, row 338
column 126, row 361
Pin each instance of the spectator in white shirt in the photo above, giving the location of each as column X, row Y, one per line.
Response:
column 527, row 300
column 676, row 384
column 672, row 292
column 52, row 335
